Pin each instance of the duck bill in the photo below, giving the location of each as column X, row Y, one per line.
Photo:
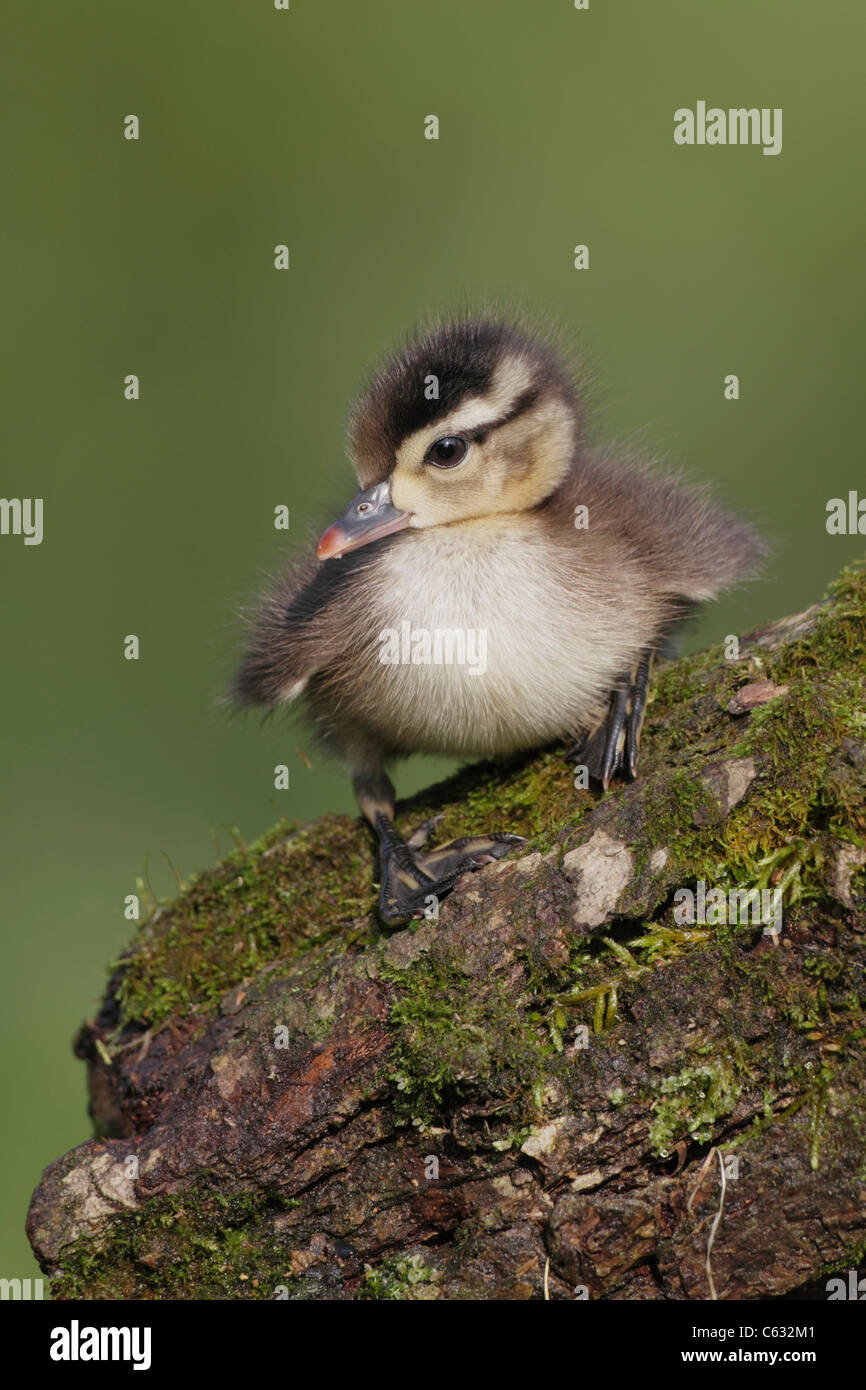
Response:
column 368, row 517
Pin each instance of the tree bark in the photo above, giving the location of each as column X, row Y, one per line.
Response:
column 559, row 1088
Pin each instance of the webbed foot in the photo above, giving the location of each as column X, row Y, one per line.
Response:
column 412, row 883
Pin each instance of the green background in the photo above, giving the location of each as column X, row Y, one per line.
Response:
column 156, row 257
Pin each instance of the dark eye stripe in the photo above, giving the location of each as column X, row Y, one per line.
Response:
column 524, row 401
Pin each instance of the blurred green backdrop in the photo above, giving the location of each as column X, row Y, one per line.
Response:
column 306, row 127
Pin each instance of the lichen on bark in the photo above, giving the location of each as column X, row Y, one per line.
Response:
column 544, row 1083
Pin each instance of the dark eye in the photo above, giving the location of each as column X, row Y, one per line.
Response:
column 447, row 452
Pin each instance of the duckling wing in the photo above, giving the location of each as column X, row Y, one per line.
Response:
column 296, row 629
column 679, row 540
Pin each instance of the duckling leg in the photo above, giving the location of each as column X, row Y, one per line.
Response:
column 612, row 747
column 410, row 881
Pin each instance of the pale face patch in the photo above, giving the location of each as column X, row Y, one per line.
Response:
column 513, row 468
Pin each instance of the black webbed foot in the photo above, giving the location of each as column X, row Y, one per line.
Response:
column 612, row 747
column 412, row 883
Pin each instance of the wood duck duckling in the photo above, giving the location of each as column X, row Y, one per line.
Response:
column 495, row 586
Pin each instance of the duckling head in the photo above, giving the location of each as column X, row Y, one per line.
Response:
column 475, row 417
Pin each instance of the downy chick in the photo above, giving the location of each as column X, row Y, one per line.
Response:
column 497, row 585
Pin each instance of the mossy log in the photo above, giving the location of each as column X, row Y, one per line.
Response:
column 558, row 1088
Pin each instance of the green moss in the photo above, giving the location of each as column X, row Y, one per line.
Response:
column 399, row 1277
column 202, row 1245
column 532, row 796
column 450, row 1040
column 282, row 897
column 689, row 1104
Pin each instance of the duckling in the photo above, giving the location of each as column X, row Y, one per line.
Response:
column 498, row 584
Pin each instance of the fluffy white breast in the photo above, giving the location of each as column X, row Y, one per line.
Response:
column 476, row 642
